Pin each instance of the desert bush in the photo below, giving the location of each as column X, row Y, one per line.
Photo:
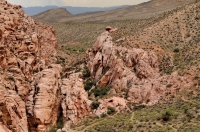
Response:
column 167, row 115
column 86, row 72
column 111, row 110
column 101, row 91
column 138, row 107
column 60, row 123
column 88, row 85
column 95, row 105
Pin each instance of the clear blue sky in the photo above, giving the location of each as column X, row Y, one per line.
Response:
column 85, row 3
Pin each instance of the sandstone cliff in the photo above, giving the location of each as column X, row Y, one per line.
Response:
column 27, row 49
column 30, row 81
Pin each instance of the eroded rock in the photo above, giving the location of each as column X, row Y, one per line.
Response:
column 44, row 99
column 132, row 70
column 26, row 48
column 75, row 103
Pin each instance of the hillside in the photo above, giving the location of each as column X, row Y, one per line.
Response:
column 53, row 15
column 141, row 11
column 175, row 34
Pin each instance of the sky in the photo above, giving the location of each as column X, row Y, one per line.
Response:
column 82, row 3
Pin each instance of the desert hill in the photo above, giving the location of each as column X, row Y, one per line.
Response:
column 141, row 11
column 53, row 15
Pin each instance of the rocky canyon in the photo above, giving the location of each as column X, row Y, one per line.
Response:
column 37, row 92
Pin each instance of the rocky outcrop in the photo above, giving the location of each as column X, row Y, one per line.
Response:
column 12, row 111
column 44, row 99
column 115, row 102
column 75, row 103
column 26, row 48
column 134, row 71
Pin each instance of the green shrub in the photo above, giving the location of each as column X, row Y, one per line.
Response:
column 88, row 85
column 167, row 115
column 60, row 123
column 111, row 110
column 86, row 72
column 139, row 107
column 101, row 91
column 95, row 105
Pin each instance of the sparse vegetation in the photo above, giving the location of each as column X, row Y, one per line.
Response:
column 86, row 72
column 59, row 125
column 100, row 92
column 174, row 114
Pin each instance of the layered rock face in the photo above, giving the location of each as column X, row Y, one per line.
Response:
column 26, row 48
column 44, row 99
column 132, row 70
column 12, row 111
column 30, row 82
column 75, row 103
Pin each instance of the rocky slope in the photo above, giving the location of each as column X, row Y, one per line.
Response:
column 27, row 48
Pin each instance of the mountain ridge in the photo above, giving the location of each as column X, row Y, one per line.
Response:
column 31, row 11
column 141, row 11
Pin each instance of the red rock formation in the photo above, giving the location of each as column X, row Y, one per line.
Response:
column 44, row 98
column 75, row 103
column 114, row 102
column 26, row 48
column 134, row 70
